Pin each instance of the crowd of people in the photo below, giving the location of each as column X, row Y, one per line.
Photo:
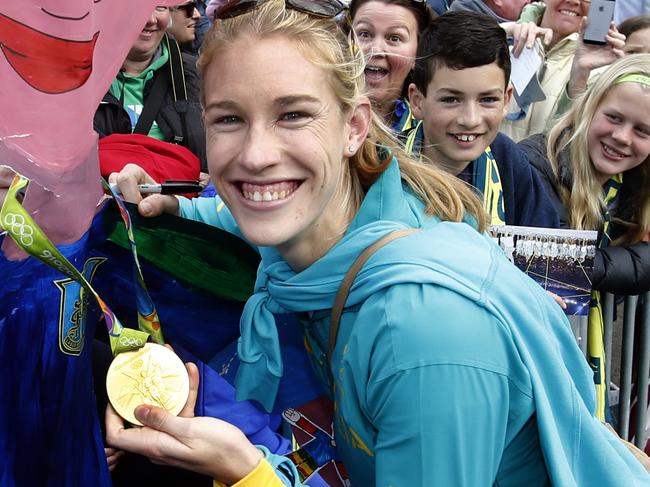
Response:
column 322, row 131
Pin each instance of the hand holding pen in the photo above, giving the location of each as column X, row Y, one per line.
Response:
column 134, row 183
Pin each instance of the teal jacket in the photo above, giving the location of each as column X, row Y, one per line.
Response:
column 465, row 374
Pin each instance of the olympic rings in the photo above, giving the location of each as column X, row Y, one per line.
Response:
column 19, row 228
column 131, row 342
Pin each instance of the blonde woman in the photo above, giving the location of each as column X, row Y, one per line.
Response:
column 449, row 366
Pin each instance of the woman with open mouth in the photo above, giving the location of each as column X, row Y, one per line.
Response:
column 388, row 32
column 432, row 345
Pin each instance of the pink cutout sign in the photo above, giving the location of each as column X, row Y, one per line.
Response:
column 57, row 60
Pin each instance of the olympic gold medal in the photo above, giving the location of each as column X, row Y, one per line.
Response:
column 151, row 375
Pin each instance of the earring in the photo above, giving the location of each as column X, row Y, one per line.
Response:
column 351, row 149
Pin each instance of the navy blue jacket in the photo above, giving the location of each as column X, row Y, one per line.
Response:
column 525, row 198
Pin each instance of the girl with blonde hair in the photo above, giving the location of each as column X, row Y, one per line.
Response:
column 595, row 160
column 433, row 348
column 596, row 168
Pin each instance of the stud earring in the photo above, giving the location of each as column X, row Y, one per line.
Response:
column 351, row 149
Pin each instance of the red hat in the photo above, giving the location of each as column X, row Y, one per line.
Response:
column 161, row 160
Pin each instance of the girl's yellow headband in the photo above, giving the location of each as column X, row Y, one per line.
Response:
column 633, row 78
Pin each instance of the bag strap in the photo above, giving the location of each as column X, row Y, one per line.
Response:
column 174, row 77
column 348, row 280
column 153, row 103
column 179, row 87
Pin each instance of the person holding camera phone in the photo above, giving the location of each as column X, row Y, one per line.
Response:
column 563, row 17
column 599, row 45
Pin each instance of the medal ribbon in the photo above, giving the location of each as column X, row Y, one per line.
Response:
column 22, row 228
column 595, row 340
column 148, row 320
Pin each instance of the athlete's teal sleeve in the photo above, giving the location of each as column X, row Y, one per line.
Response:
column 212, row 211
column 440, row 425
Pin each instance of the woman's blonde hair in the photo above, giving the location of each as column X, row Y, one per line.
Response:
column 584, row 199
column 326, row 45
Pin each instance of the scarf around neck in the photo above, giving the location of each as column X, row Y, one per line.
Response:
column 279, row 289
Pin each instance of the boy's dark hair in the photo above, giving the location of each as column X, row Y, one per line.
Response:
column 460, row 40
column 631, row 25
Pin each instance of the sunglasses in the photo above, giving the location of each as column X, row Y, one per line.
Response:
column 317, row 8
column 188, row 8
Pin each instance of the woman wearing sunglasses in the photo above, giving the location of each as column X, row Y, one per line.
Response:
column 449, row 367
column 184, row 18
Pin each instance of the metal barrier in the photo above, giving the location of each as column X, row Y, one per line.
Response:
column 631, row 328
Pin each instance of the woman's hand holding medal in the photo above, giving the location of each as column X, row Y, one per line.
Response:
column 205, row 445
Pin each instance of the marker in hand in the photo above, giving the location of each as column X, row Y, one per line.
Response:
column 168, row 187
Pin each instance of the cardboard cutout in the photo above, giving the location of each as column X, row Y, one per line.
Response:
column 57, row 60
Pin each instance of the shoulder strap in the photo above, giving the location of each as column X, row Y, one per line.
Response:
column 174, row 77
column 179, row 86
column 176, row 70
column 153, row 103
column 346, row 284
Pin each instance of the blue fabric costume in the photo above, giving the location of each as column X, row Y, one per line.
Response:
column 49, row 433
column 451, row 367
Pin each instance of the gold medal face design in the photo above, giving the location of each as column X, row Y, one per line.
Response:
column 151, row 375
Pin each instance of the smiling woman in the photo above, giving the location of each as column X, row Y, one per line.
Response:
column 249, row 168
column 183, row 23
column 564, row 17
column 605, row 136
column 304, row 174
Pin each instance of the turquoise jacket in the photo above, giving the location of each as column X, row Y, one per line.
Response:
column 464, row 374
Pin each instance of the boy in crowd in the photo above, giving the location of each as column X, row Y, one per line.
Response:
column 460, row 92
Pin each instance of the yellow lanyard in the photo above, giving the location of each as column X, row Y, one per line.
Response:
column 486, row 178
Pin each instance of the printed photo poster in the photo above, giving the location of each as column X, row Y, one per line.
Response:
column 561, row 261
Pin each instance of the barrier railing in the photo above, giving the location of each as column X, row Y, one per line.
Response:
column 635, row 343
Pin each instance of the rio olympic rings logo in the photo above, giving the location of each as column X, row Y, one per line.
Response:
column 131, row 342
column 16, row 225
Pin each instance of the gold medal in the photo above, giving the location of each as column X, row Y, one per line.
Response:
column 151, row 375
